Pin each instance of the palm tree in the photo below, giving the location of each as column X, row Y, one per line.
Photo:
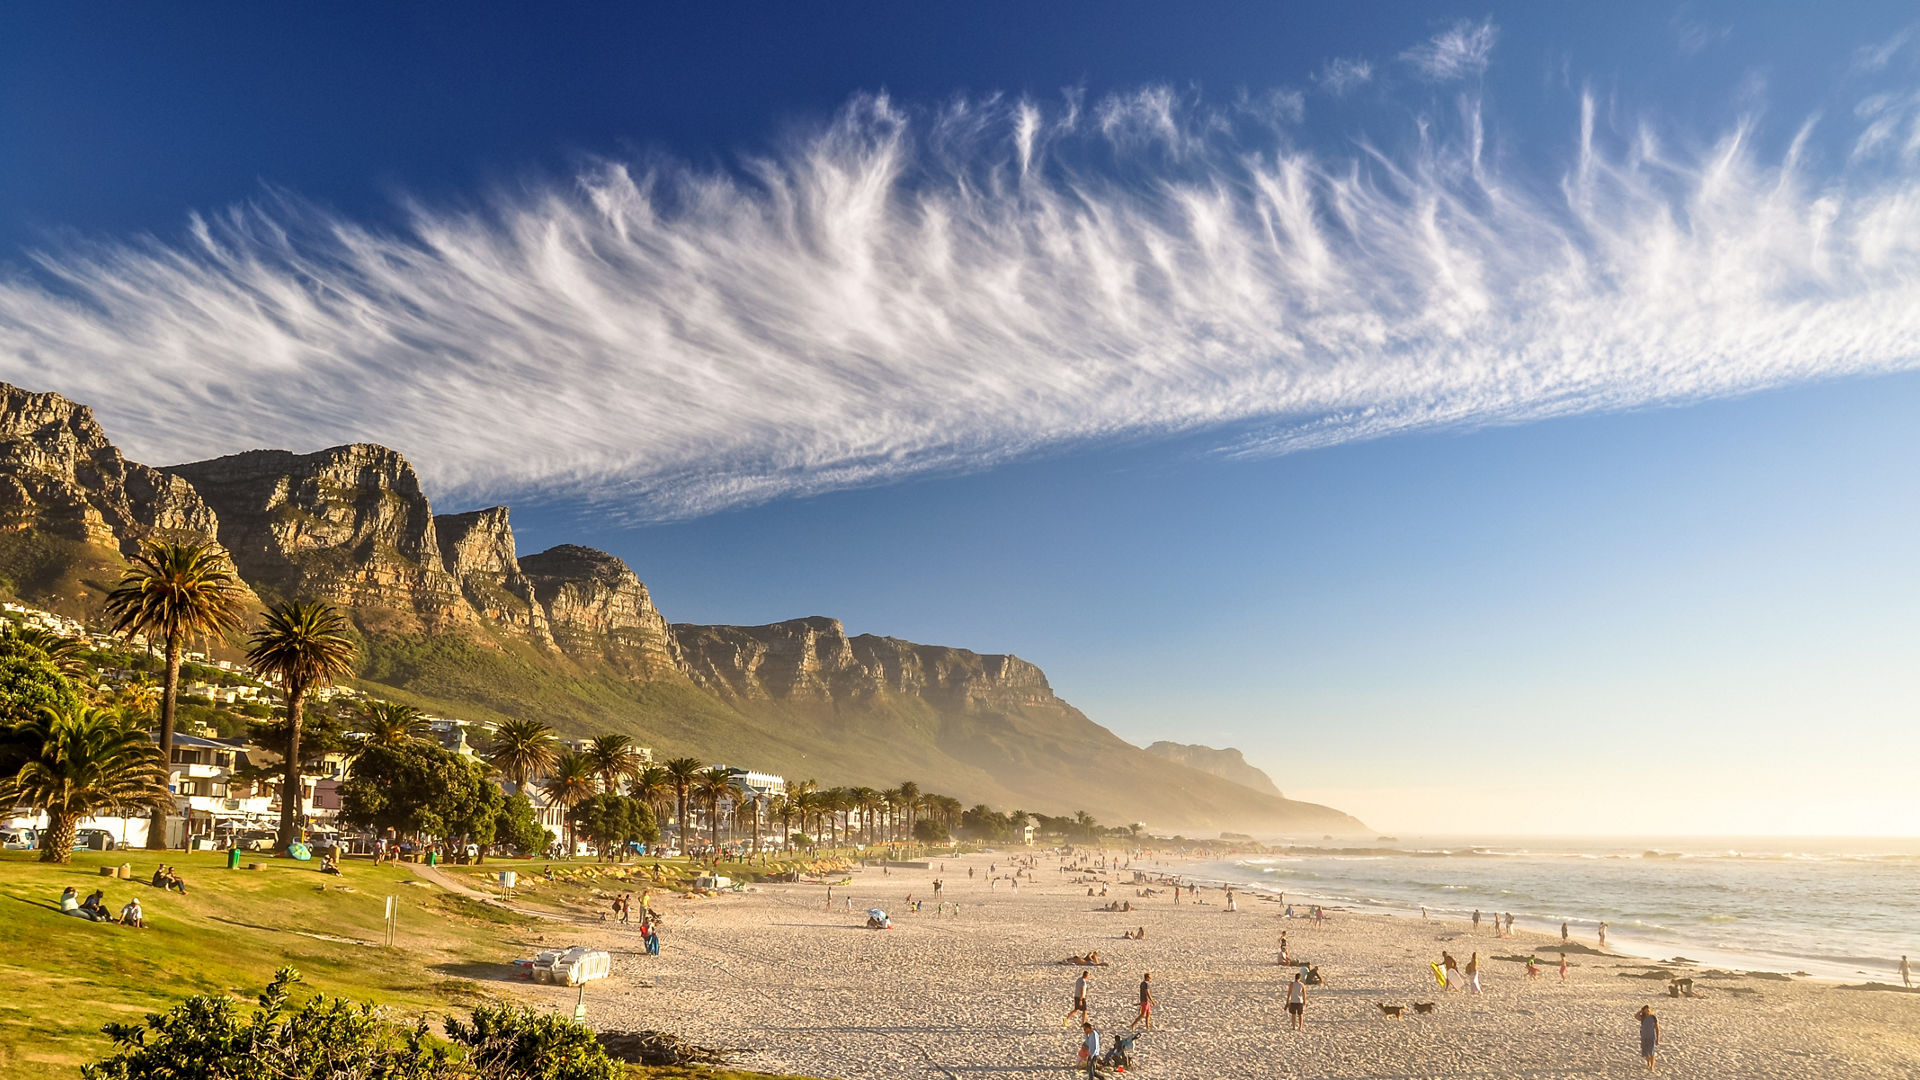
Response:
column 714, row 784
column 76, row 763
column 865, row 800
column 63, row 652
column 521, row 750
column 389, row 723
column 307, row 644
column 780, row 808
column 570, row 782
column 910, row 802
column 683, row 770
column 890, row 798
column 652, row 785
column 175, row 593
column 614, row 758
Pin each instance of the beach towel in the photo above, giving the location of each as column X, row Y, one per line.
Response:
column 1439, row 974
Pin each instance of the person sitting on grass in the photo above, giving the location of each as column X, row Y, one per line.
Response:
column 160, row 876
column 131, row 915
column 95, row 905
column 70, row 904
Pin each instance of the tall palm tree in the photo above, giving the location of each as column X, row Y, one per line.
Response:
column 572, row 781
column 714, row 784
column 175, row 593
column 307, row 644
column 890, row 800
column 910, row 802
column 521, row 750
column 864, row 801
column 839, row 801
column 389, row 723
column 614, row 758
column 652, row 785
column 75, row 763
column 683, row 770
column 780, row 808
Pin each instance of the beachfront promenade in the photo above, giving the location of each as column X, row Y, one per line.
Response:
column 803, row 986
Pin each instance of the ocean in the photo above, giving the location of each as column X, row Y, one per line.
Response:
column 1833, row 908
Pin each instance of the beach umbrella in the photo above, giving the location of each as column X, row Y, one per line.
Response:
column 299, row 851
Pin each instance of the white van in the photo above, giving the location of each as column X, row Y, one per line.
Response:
column 18, row 840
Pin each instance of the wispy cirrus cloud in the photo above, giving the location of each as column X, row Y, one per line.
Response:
column 905, row 290
column 1342, row 74
column 1460, row 51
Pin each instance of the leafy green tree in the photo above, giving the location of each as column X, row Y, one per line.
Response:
column 613, row 821
column 518, row 823
column 419, row 789
column 175, row 593
column 929, row 831
column 29, row 682
column 65, row 652
column 305, row 644
column 77, row 762
column 505, row 1043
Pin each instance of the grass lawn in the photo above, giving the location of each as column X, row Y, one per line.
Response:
column 65, row 977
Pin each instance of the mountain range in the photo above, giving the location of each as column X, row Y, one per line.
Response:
column 453, row 618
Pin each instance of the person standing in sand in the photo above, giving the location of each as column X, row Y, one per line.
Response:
column 1079, row 1001
column 1563, row 967
column 1297, row 1002
column 1473, row 974
column 1476, row 918
column 1603, row 935
column 1563, row 931
column 1450, row 968
column 1089, row 1047
column 1649, row 1034
column 1906, row 972
column 1145, row 1015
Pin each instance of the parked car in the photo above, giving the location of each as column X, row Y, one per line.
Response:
column 18, row 840
column 256, row 840
column 93, row 840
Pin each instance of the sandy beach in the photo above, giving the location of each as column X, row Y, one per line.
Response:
column 794, row 984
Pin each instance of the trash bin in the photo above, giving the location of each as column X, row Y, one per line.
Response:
column 233, row 857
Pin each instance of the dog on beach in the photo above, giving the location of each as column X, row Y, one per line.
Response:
column 1423, row 1007
column 1392, row 1011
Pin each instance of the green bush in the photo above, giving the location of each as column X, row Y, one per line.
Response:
column 206, row 1038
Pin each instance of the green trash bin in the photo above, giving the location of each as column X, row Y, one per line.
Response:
column 233, row 857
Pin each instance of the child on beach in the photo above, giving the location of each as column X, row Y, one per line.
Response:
column 1563, row 967
column 1533, row 967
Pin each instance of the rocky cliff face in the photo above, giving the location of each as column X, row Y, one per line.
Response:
column 478, row 550
column 813, row 661
column 59, row 474
column 1228, row 764
column 598, row 610
column 348, row 524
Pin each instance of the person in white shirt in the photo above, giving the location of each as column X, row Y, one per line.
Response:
column 1297, row 1001
column 131, row 915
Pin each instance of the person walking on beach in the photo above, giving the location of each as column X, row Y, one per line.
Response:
column 1906, row 972
column 1476, row 919
column 1297, row 1001
column 1649, row 1034
column 1145, row 1015
column 1450, row 968
column 1603, row 935
column 1473, row 974
column 1079, row 1001
column 1509, row 924
column 1563, row 967
column 1533, row 967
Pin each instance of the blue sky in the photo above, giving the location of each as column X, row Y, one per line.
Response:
column 1493, row 419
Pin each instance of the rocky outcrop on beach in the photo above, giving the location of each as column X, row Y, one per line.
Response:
column 1227, row 764
column 60, row 475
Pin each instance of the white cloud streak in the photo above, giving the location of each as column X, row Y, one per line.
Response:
column 1461, row 51
column 1341, row 75
column 902, row 292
